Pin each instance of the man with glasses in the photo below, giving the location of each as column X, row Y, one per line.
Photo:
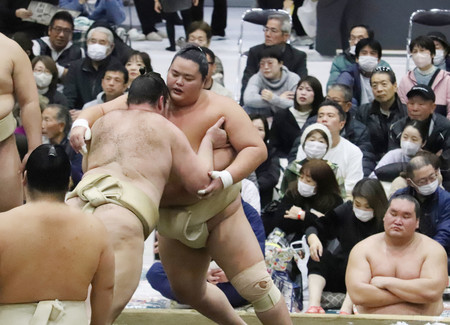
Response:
column 383, row 111
column 423, row 184
column 344, row 60
column 83, row 81
column 58, row 44
column 276, row 32
column 421, row 107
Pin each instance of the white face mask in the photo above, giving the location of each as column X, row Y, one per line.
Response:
column 305, row 190
column 429, row 188
column 363, row 215
column 315, row 149
column 439, row 57
column 421, row 60
column 409, row 148
column 352, row 49
column 367, row 63
column 97, row 52
column 43, row 79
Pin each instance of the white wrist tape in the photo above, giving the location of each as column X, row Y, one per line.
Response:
column 225, row 176
column 84, row 123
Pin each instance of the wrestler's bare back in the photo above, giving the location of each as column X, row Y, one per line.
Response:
column 49, row 251
column 132, row 145
column 404, row 264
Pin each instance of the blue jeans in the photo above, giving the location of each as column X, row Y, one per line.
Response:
column 111, row 11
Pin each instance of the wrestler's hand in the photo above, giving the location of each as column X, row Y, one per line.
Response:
column 218, row 274
column 77, row 138
column 218, row 135
column 215, row 186
column 380, row 282
column 315, row 247
column 294, row 212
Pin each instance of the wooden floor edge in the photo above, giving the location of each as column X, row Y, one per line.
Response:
column 191, row 317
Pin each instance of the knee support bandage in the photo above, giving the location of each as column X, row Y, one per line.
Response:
column 256, row 286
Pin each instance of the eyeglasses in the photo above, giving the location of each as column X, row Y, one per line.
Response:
column 58, row 30
column 271, row 30
column 382, row 69
column 426, row 180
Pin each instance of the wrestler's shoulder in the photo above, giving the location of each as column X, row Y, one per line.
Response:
column 223, row 105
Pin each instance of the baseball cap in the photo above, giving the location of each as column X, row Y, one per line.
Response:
column 438, row 36
column 423, row 91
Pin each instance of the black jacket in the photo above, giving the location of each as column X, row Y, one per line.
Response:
column 438, row 139
column 267, row 175
column 83, row 83
column 293, row 59
column 379, row 124
column 284, row 132
column 66, row 57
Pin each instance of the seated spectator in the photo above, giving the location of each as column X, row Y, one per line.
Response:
column 210, row 83
column 114, row 84
column 315, row 192
column 157, row 277
column 12, row 15
column 272, row 88
column 350, row 223
column 344, row 60
column 421, row 107
column 441, row 59
column 288, row 124
column 121, row 50
column 353, row 130
column 83, row 80
column 422, row 51
column 394, row 162
column 268, row 172
column 347, row 156
column 199, row 32
column 383, row 111
column 357, row 76
column 423, row 185
column 110, row 11
column 315, row 142
column 56, row 123
column 58, row 44
column 413, row 281
column 276, row 32
column 46, row 76
column 135, row 62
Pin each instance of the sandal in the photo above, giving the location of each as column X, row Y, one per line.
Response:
column 315, row 310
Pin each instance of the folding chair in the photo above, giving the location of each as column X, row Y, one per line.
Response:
column 255, row 16
column 432, row 17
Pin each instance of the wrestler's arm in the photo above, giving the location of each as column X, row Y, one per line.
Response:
column 244, row 138
column 92, row 114
column 25, row 92
column 357, row 280
column 428, row 288
column 103, row 285
column 192, row 168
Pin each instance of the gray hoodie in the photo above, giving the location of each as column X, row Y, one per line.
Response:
column 257, row 83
